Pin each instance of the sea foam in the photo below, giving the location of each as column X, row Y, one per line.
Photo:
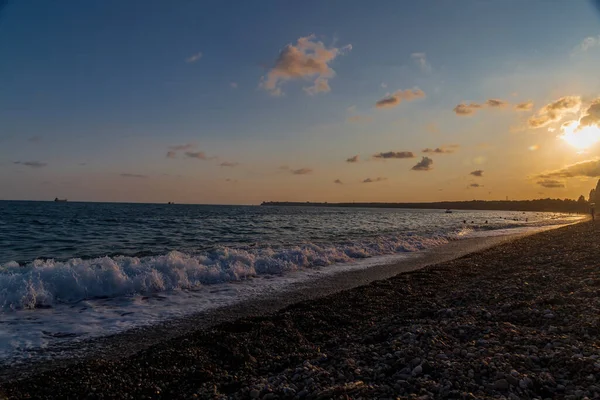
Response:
column 44, row 283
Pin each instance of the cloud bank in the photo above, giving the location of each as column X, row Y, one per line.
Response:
column 589, row 168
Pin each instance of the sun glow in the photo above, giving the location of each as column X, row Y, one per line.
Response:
column 580, row 137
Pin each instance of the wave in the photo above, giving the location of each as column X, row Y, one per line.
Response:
column 44, row 283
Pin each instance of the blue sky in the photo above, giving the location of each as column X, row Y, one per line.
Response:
column 98, row 91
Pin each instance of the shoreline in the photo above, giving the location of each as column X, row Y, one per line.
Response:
column 131, row 342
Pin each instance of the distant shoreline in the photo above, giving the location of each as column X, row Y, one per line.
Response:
column 540, row 205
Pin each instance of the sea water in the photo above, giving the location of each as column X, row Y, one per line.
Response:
column 75, row 271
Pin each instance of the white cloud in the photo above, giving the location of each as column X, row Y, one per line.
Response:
column 421, row 60
column 194, row 58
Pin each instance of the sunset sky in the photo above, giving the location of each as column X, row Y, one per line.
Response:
column 238, row 102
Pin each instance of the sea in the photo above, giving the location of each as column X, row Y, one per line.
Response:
column 71, row 271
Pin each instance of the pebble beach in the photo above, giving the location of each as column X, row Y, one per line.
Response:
column 520, row 320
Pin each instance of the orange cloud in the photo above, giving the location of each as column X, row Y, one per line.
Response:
column 551, row 183
column 301, row 171
column 466, row 109
column 589, row 168
column 396, row 98
column 525, row 106
column 555, row 111
column 306, row 60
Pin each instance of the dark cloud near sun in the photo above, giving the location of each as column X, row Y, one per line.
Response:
column 477, row 172
column 397, row 97
column 424, row 165
column 338, row 182
column 589, row 168
column 31, row 164
column 591, row 115
column 394, row 154
column 551, row 183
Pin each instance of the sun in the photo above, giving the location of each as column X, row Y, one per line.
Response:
column 580, row 137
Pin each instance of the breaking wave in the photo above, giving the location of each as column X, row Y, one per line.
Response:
column 43, row 283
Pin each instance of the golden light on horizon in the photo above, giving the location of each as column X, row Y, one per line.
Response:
column 580, row 137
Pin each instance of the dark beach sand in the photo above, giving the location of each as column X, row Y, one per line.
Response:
column 519, row 320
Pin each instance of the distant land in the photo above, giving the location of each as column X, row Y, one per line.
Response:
column 550, row 205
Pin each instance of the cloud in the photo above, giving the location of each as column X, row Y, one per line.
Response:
column 448, row 149
column 321, row 86
column 338, row 182
column 555, row 111
column 196, row 154
column 31, row 164
column 137, row 176
column 525, row 106
column 301, row 171
column 396, row 98
column 194, row 58
column 308, row 59
column 171, row 154
column 551, row 183
column 229, row 164
column 231, row 180
column 182, row 147
column 378, row 179
column 586, row 44
column 421, row 60
column 495, row 103
column 477, row 172
column 589, row 168
column 394, row 154
column 424, row 165
column 358, row 118
column 592, row 115
column 466, row 109
column 352, row 159
column 475, row 185
column 233, row 85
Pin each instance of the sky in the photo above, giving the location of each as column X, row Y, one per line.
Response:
column 239, row 102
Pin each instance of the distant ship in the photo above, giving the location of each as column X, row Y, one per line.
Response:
column 57, row 200
column 448, row 211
